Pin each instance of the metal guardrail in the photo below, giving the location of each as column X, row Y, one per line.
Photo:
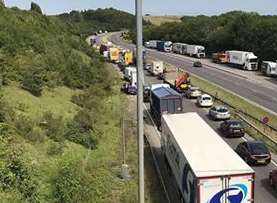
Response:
column 271, row 143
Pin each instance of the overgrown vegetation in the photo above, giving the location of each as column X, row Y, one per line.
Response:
column 234, row 30
column 89, row 21
column 60, row 109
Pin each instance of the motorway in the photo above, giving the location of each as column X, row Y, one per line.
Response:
column 262, row 94
column 263, row 192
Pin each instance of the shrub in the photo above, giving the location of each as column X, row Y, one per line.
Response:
column 54, row 127
column 55, row 148
column 36, row 8
column 33, row 81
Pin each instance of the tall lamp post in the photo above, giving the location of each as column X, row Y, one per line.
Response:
column 140, row 102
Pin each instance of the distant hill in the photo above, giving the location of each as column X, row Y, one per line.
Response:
column 158, row 20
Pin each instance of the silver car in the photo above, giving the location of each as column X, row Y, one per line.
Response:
column 219, row 113
column 193, row 92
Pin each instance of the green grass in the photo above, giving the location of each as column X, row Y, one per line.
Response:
column 57, row 101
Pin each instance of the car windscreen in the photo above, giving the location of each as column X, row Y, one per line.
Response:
column 235, row 125
column 253, row 60
column 222, row 110
column 258, row 148
column 206, row 98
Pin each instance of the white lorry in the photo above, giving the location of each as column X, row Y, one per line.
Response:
column 128, row 71
column 269, row 68
column 205, row 167
column 242, row 59
column 133, row 80
column 156, row 68
column 153, row 44
column 179, row 48
column 195, row 50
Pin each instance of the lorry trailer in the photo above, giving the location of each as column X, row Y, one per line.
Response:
column 178, row 81
column 179, row 48
column 164, row 100
column 269, row 68
column 153, row 44
column 242, row 59
column 205, row 167
column 195, row 50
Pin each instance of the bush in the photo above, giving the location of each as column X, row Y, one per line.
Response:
column 15, row 174
column 54, row 127
column 33, row 81
column 35, row 135
column 36, row 8
column 55, row 148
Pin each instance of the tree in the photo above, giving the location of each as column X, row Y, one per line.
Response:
column 36, row 8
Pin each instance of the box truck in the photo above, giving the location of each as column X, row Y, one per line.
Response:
column 128, row 57
column 164, row 101
column 269, row 68
column 205, row 167
column 128, row 71
column 165, row 46
column 133, row 80
column 153, row 44
column 195, row 50
column 242, row 59
column 114, row 55
column 157, row 68
column 179, row 48
column 148, row 89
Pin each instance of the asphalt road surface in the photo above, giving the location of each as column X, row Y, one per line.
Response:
column 264, row 96
column 264, row 193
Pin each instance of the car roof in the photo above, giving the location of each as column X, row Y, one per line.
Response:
column 194, row 88
column 206, row 95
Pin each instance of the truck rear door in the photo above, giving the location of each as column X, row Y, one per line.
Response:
column 243, row 187
column 208, row 188
column 228, row 189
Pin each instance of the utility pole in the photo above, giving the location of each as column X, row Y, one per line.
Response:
column 140, row 102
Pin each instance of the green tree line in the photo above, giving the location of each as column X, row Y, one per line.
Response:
column 233, row 30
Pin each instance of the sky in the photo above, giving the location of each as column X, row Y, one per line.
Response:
column 154, row 7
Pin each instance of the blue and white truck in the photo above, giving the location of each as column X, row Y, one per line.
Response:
column 205, row 167
column 165, row 46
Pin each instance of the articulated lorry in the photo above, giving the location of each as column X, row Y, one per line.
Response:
column 206, row 169
column 242, row 59
column 165, row 46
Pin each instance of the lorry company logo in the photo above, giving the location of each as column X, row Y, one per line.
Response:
column 233, row 198
column 188, row 184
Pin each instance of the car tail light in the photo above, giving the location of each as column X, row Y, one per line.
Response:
column 252, row 157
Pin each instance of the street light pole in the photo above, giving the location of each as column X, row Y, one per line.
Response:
column 140, row 102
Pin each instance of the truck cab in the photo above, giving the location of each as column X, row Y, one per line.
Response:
column 251, row 62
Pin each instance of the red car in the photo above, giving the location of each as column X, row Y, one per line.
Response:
column 273, row 178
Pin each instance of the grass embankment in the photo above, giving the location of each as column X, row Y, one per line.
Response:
column 158, row 20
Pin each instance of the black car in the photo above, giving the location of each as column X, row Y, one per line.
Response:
column 146, row 93
column 197, row 64
column 232, row 128
column 254, row 152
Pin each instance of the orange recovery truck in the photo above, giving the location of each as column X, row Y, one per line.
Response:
column 178, row 81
